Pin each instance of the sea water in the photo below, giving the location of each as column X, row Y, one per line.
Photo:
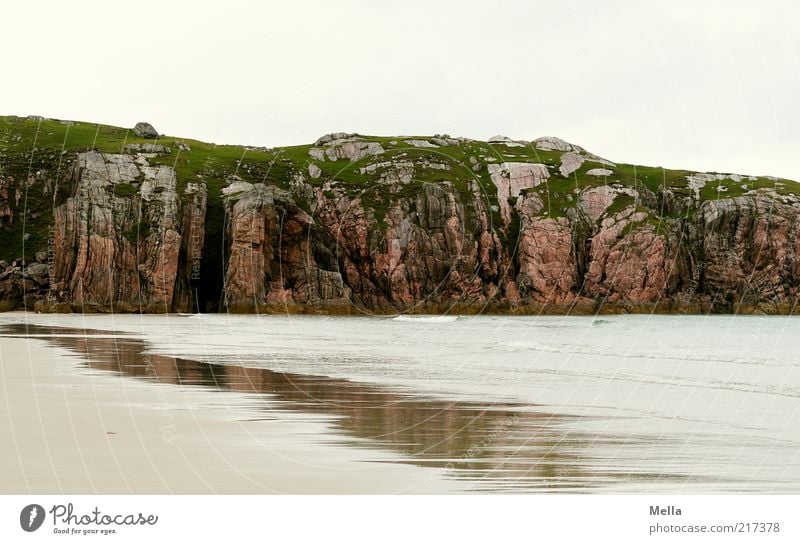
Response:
column 633, row 403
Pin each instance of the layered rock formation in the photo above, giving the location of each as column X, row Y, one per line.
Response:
column 353, row 224
column 124, row 237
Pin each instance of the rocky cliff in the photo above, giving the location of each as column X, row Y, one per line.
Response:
column 96, row 218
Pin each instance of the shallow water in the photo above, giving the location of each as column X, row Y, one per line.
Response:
column 659, row 404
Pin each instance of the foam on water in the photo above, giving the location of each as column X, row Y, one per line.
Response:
column 426, row 318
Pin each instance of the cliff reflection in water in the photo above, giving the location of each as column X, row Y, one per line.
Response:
column 497, row 447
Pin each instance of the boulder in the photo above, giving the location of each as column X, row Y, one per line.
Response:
column 570, row 162
column 38, row 269
column 145, row 130
column 420, row 143
column 551, row 143
column 600, row 172
column 334, row 136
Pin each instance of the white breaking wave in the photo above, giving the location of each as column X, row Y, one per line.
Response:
column 426, row 318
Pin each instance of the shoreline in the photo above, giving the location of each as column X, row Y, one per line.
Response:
column 74, row 429
column 577, row 309
column 239, row 391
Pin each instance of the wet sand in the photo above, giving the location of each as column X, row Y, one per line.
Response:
column 88, row 410
column 93, row 411
column 71, row 428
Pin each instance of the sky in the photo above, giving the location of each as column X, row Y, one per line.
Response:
column 684, row 84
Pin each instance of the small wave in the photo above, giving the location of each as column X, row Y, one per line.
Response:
column 685, row 356
column 426, row 318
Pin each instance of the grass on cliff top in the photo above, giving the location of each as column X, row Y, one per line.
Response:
column 30, row 145
column 18, row 153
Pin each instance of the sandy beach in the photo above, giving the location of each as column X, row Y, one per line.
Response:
column 71, row 429
column 309, row 404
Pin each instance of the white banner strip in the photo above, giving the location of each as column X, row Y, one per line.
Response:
column 401, row 519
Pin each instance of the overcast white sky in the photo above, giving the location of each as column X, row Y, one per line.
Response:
column 699, row 85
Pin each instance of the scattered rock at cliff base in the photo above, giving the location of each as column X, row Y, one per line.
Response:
column 22, row 286
column 600, row 172
column 38, row 269
column 145, row 130
column 314, row 171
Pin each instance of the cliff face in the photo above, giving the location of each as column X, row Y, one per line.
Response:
column 356, row 224
column 124, row 238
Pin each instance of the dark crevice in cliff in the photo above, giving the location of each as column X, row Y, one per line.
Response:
column 581, row 247
column 209, row 286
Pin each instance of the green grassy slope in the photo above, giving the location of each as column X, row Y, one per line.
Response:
column 45, row 149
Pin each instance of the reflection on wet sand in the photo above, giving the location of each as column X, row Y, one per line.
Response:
column 497, row 447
